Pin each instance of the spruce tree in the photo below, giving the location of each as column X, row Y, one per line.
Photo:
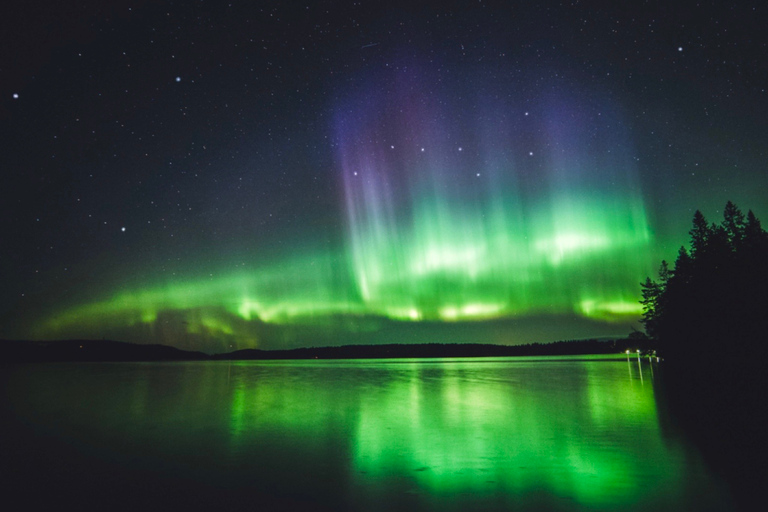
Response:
column 699, row 234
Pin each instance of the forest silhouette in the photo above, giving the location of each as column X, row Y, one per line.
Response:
column 708, row 316
column 713, row 301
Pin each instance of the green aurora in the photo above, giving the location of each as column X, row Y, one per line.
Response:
column 587, row 272
column 433, row 234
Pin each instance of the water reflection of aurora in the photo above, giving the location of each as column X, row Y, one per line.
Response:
column 480, row 434
column 495, row 214
column 584, row 432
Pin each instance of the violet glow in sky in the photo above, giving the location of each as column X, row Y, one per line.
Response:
column 487, row 210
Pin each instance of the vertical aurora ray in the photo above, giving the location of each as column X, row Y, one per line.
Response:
column 452, row 217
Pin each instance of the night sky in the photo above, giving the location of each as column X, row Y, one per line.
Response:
column 217, row 176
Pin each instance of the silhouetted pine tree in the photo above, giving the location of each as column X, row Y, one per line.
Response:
column 734, row 224
column 652, row 296
column 699, row 234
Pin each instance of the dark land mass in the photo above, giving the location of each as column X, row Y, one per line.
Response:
column 91, row 350
column 103, row 350
column 427, row 350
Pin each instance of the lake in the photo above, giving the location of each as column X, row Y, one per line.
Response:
column 570, row 434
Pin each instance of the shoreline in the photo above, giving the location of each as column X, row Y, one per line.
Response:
column 117, row 351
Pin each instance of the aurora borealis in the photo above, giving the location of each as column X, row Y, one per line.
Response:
column 326, row 175
column 444, row 230
column 430, row 236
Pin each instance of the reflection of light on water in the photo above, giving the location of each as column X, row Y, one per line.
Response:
column 481, row 434
column 588, row 437
column 651, row 361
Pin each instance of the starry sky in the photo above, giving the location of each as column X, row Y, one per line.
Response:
column 226, row 175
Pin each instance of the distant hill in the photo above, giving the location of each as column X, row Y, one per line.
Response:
column 103, row 350
column 91, row 350
column 424, row 350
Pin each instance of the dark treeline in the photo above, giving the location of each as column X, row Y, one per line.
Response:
column 709, row 317
column 94, row 350
column 715, row 297
column 91, row 350
column 421, row 350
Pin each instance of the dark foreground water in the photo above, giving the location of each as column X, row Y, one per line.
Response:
column 441, row 434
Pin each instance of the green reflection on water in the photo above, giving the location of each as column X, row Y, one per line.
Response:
column 490, row 428
column 492, row 434
column 584, row 433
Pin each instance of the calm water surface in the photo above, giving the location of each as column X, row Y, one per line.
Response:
column 435, row 434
